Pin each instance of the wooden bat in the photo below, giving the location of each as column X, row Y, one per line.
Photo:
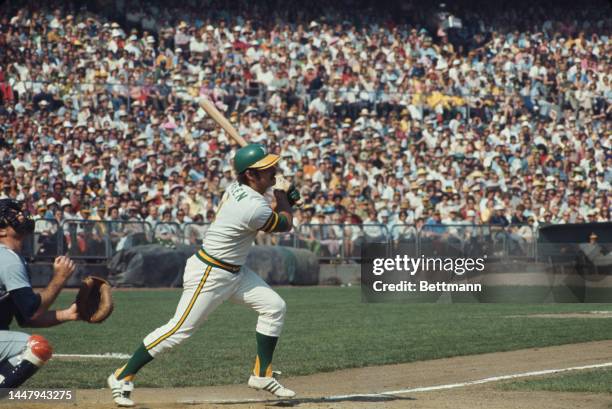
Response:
column 218, row 117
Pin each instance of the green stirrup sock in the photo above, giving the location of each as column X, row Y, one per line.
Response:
column 265, row 350
column 140, row 358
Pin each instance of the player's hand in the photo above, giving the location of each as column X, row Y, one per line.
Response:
column 282, row 184
column 63, row 267
column 293, row 195
column 69, row 314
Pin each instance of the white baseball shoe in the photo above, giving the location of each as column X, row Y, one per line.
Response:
column 270, row 384
column 121, row 391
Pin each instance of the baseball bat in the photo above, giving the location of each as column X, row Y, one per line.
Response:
column 218, row 117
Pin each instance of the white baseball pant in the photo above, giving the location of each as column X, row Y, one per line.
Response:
column 205, row 287
column 12, row 344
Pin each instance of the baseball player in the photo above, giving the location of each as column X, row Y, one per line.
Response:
column 217, row 273
column 21, row 354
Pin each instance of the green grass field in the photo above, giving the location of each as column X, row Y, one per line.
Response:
column 326, row 329
column 597, row 381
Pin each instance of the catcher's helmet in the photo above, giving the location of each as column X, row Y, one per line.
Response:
column 10, row 210
column 254, row 156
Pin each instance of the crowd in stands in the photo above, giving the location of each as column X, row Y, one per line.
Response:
column 501, row 119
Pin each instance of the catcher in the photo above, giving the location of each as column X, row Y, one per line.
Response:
column 217, row 273
column 21, row 355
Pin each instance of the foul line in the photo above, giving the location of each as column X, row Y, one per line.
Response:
column 108, row 355
column 420, row 389
column 479, row 381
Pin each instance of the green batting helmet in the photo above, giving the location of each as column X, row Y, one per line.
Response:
column 254, row 156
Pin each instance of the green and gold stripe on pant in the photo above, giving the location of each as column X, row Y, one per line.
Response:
column 185, row 313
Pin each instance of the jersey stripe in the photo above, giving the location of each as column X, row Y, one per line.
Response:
column 186, row 313
column 276, row 219
column 268, row 222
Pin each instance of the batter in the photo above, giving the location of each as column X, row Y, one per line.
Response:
column 217, row 273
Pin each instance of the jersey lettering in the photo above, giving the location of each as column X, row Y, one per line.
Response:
column 238, row 192
column 240, row 215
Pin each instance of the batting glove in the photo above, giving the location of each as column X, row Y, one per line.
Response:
column 293, row 196
column 282, row 184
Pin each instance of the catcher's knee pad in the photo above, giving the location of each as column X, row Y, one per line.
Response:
column 38, row 350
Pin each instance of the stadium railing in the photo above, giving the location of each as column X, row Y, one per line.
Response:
column 95, row 240
column 100, row 240
column 168, row 233
column 340, row 241
column 86, row 239
column 46, row 243
column 404, row 239
column 193, row 233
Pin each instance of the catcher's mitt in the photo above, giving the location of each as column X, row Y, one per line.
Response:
column 94, row 300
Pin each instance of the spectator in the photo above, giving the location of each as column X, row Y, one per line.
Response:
column 487, row 116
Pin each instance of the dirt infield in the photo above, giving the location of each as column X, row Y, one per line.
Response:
column 344, row 386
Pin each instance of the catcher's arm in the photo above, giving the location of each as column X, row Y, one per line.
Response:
column 53, row 318
column 63, row 268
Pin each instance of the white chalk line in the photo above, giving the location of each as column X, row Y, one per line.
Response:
column 422, row 388
column 108, row 355
column 485, row 380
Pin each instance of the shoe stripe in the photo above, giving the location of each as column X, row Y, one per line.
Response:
column 275, row 388
column 118, row 392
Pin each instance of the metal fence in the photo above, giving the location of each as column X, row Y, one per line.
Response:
column 464, row 240
column 46, row 243
column 100, row 240
column 193, row 233
column 168, row 233
column 340, row 241
column 515, row 241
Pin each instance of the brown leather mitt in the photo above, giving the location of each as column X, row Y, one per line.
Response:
column 94, row 300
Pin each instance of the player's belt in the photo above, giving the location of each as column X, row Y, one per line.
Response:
column 211, row 261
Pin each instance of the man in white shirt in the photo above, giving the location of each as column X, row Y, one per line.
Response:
column 217, row 273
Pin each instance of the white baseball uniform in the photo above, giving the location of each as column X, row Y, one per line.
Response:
column 217, row 272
